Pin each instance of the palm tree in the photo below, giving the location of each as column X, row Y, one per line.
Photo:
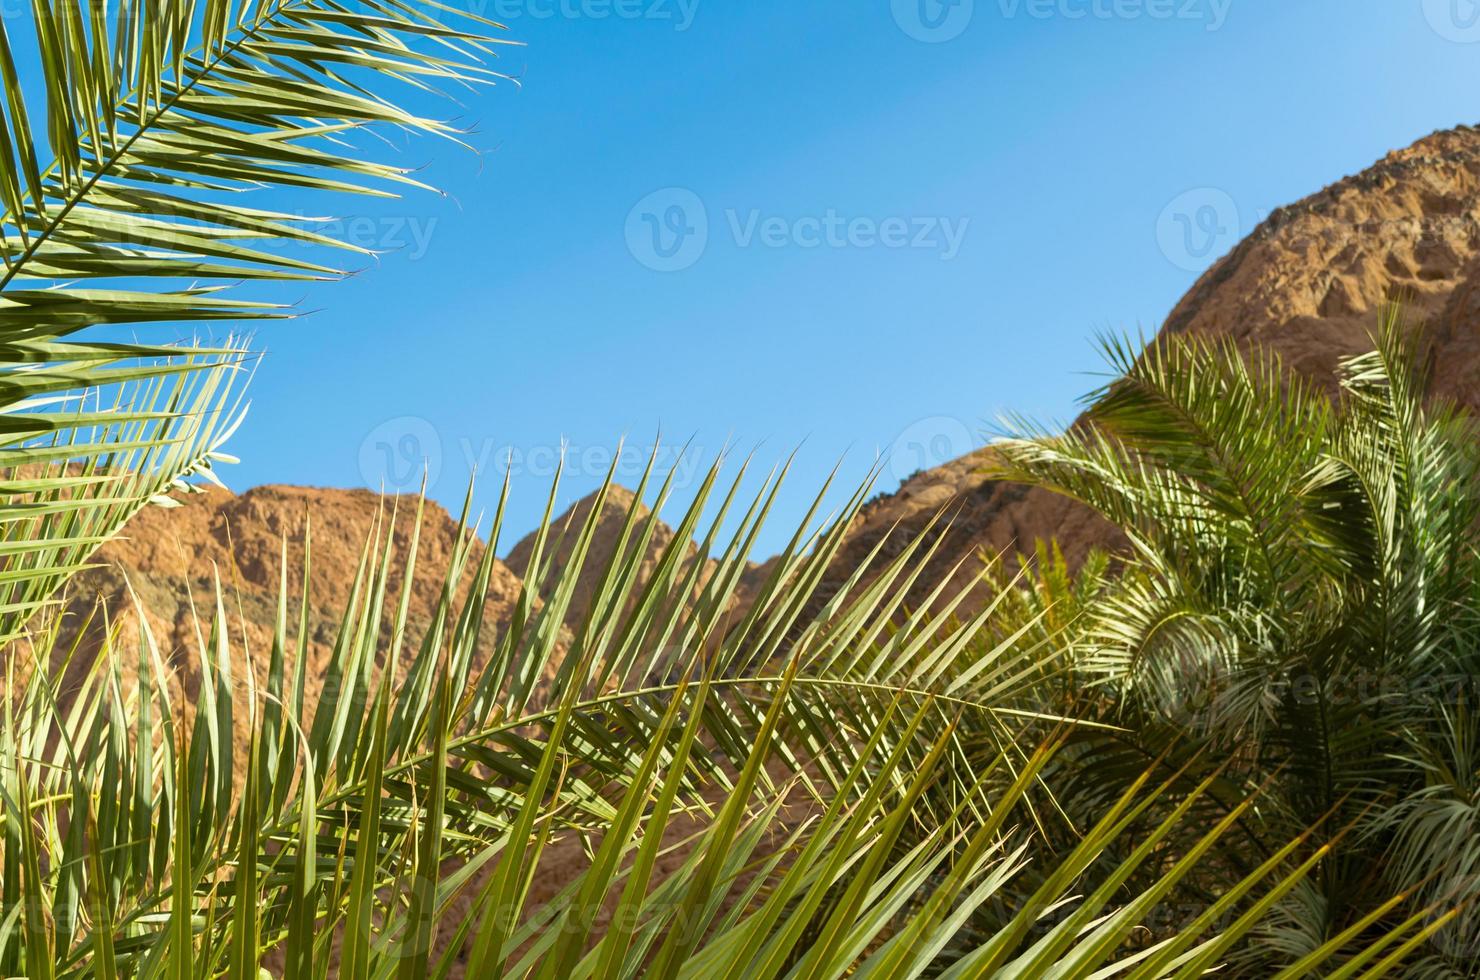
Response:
column 142, row 834
column 1298, row 604
column 787, row 790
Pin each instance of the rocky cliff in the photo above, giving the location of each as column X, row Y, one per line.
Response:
column 1310, row 284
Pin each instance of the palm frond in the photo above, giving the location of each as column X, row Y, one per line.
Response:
column 128, row 133
column 396, row 821
column 1299, row 603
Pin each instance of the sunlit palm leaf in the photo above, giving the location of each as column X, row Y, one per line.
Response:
column 376, row 826
column 129, row 131
column 1300, row 603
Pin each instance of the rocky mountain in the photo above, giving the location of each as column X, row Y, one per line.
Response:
column 171, row 557
column 565, row 530
column 1310, row 284
column 1313, row 278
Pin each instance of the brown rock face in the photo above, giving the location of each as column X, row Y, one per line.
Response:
column 170, row 558
column 171, row 552
column 1311, row 281
column 977, row 515
column 565, row 530
column 1310, row 284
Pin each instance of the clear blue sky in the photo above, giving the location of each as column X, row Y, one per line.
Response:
column 1039, row 152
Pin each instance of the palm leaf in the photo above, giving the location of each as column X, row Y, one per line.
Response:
column 156, row 116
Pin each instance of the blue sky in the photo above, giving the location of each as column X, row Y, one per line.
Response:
column 918, row 217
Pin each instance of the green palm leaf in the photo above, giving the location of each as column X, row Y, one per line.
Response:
column 411, row 800
column 155, row 116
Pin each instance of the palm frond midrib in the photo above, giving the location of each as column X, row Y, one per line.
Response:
column 105, row 165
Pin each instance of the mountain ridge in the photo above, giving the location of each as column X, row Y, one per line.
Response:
column 1308, row 283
